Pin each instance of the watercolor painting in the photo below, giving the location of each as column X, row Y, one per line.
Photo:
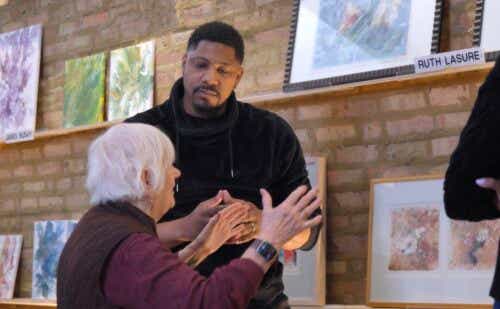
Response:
column 352, row 31
column 48, row 243
column 19, row 74
column 473, row 245
column 84, row 82
column 414, row 239
column 131, row 80
column 10, row 253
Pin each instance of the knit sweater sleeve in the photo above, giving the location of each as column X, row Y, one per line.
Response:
column 143, row 274
column 477, row 155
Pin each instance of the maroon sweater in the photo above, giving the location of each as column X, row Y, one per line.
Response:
column 143, row 274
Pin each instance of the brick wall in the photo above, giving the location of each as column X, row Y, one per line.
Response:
column 402, row 132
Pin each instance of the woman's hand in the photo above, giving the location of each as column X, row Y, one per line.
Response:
column 291, row 217
column 223, row 226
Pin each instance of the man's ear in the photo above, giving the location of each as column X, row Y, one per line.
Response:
column 239, row 76
column 184, row 59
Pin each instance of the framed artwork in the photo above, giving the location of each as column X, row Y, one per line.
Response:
column 486, row 27
column 84, row 90
column 418, row 257
column 48, row 242
column 342, row 41
column 131, row 82
column 10, row 253
column 19, row 74
column 304, row 271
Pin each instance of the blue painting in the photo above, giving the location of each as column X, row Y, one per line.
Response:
column 353, row 31
column 48, row 243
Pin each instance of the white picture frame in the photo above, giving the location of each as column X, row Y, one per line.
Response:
column 415, row 250
column 486, row 27
column 304, row 277
column 342, row 41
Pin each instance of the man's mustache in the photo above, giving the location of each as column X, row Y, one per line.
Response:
column 206, row 88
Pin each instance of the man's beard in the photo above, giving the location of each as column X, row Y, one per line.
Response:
column 205, row 110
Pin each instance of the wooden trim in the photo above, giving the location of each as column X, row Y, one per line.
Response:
column 27, row 303
column 383, row 84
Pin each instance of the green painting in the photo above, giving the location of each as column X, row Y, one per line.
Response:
column 84, row 90
column 131, row 81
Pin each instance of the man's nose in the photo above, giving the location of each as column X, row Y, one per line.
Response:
column 210, row 77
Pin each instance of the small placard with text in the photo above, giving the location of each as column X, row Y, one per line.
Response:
column 456, row 58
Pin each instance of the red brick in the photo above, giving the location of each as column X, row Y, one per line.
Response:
column 5, row 174
column 95, row 19
column 372, row 131
column 403, row 102
column 29, row 204
column 303, row 137
column 357, row 154
column 69, row 28
column 352, row 201
column 75, row 166
column 343, row 177
column 197, row 15
column 7, row 206
column 362, row 106
column 31, row 154
column 311, row 112
column 340, row 222
column 408, row 152
column 11, row 188
column 56, row 150
column 444, row 146
column 63, row 184
column 349, row 245
column 23, row 171
column 85, row 6
column 52, row 202
column 288, row 114
column 35, row 186
column 359, row 223
column 453, row 95
column 452, row 121
column 274, row 36
column 335, row 133
column 9, row 156
column 415, row 125
column 77, row 201
column 337, row 267
column 50, row 168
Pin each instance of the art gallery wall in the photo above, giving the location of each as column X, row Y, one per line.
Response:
column 383, row 133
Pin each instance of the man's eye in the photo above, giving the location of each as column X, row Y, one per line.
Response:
column 200, row 65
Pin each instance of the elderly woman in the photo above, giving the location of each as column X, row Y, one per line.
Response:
column 114, row 258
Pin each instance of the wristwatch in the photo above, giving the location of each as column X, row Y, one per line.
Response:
column 264, row 249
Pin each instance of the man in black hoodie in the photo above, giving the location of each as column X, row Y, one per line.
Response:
column 472, row 185
column 226, row 150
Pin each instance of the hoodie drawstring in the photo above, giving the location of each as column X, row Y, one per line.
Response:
column 230, row 145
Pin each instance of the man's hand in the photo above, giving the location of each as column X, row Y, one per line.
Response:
column 250, row 222
column 200, row 216
column 492, row 184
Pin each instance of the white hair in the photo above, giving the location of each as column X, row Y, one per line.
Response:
column 117, row 159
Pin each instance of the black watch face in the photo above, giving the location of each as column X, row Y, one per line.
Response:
column 266, row 250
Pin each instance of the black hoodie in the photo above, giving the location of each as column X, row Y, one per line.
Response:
column 477, row 155
column 245, row 149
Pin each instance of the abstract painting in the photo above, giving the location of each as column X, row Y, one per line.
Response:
column 84, row 82
column 362, row 30
column 343, row 41
column 19, row 73
column 473, row 245
column 131, row 76
column 418, row 257
column 414, row 238
column 48, row 243
column 10, row 252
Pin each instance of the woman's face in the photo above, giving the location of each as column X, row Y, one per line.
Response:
column 165, row 199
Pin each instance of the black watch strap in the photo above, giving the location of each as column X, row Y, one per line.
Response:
column 264, row 249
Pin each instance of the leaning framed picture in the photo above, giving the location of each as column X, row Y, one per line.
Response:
column 342, row 41
column 304, row 271
column 486, row 25
column 418, row 257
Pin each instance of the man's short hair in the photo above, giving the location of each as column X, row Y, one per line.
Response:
column 218, row 32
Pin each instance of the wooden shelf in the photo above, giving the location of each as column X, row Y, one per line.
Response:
column 382, row 84
column 27, row 303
